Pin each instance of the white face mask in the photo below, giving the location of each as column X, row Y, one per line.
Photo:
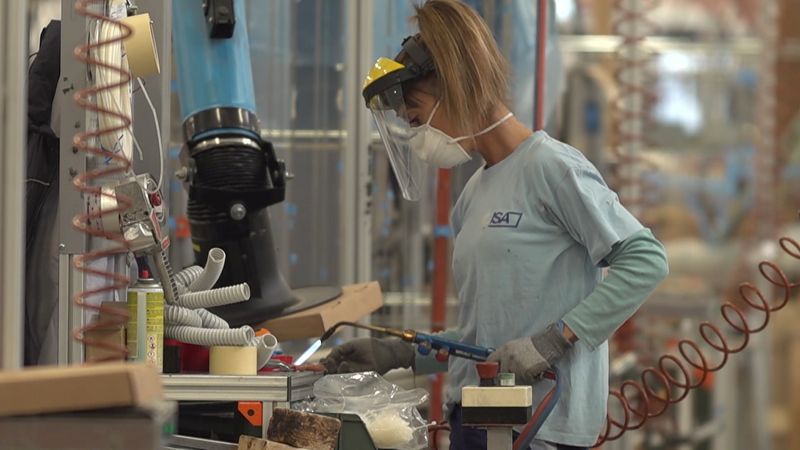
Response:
column 436, row 148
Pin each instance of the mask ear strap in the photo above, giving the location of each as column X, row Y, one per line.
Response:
column 487, row 129
column 433, row 111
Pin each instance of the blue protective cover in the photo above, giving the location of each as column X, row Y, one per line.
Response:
column 210, row 72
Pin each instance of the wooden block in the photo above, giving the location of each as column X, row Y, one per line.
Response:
column 251, row 443
column 497, row 396
column 305, row 430
column 112, row 336
column 55, row 389
column 356, row 301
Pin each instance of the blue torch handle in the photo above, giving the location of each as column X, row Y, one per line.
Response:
column 427, row 343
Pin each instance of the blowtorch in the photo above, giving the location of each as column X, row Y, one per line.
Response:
column 426, row 343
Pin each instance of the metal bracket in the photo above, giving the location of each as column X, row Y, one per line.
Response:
column 220, row 17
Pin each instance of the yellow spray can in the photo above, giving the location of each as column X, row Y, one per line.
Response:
column 146, row 307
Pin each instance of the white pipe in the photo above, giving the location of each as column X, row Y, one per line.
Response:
column 211, row 337
column 176, row 315
column 211, row 320
column 210, row 275
column 215, row 297
column 187, row 276
column 266, row 346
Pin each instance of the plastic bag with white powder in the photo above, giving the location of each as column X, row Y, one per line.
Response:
column 389, row 412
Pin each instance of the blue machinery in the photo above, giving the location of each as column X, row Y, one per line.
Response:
column 234, row 175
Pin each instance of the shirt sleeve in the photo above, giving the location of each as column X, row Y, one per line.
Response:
column 637, row 265
column 584, row 206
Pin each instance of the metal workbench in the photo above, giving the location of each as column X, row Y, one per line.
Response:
column 275, row 390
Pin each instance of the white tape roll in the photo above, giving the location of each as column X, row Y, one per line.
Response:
column 141, row 46
column 233, row 360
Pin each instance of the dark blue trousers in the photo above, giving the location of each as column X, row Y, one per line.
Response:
column 469, row 438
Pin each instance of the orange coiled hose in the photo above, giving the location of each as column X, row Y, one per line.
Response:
column 659, row 388
column 109, row 164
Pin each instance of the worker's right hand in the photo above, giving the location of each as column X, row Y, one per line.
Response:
column 369, row 354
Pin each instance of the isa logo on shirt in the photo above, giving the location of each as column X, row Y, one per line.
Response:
column 502, row 219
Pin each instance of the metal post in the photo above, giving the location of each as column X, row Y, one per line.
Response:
column 71, row 162
column 14, row 43
column 363, row 123
column 356, row 249
column 73, row 120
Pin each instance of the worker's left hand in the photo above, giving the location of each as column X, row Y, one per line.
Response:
column 528, row 357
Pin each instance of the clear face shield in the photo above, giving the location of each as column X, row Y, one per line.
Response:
column 389, row 111
column 383, row 93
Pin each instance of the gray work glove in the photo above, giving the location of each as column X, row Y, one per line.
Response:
column 369, row 354
column 528, row 357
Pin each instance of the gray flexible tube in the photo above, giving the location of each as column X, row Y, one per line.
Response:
column 215, row 297
column 211, row 337
column 266, row 346
column 166, row 275
column 188, row 275
column 211, row 320
column 176, row 315
column 208, row 278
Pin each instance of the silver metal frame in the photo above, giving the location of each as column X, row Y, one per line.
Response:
column 273, row 391
column 284, row 387
column 73, row 119
column 71, row 162
column 14, row 47
column 70, row 281
column 357, row 254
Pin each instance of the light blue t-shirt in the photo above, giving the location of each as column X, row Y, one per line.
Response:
column 531, row 233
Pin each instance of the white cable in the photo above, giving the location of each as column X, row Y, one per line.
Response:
column 188, row 275
column 210, row 337
column 211, row 320
column 215, row 297
column 212, row 271
column 265, row 345
column 176, row 315
column 138, row 148
column 158, row 133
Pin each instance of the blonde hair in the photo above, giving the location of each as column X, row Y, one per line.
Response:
column 471, row 76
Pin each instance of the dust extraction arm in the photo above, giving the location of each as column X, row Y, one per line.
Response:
column 232, row 174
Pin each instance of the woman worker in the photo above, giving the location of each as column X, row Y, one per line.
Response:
column 533, row 229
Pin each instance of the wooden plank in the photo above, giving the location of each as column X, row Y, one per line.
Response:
column 356, row 302
column 305, row 430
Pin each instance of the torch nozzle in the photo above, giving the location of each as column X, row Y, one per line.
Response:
column 405, row 335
